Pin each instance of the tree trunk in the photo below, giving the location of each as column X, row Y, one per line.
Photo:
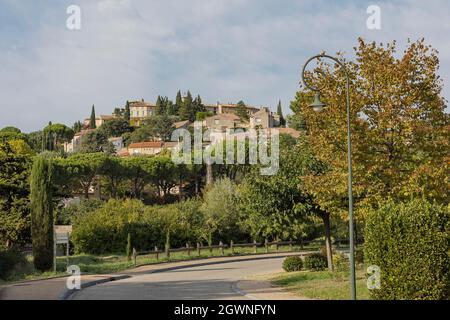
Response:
column 86, row 191
column 326, row 223
column 180, row 190
column 197, row 186
column 209, row 174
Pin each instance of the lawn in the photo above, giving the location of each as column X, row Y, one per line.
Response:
column 322, row 284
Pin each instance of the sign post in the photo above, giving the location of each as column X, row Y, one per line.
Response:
column 61, row 235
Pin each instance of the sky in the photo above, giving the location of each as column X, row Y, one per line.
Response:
column 224, row 50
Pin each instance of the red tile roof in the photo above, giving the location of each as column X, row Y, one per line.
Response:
column 146, row 144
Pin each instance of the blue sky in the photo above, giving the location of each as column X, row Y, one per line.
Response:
column 225, row 50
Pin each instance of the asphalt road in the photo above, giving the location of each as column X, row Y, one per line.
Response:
column 207, row 282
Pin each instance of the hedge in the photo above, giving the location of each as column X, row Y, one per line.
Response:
column 410, row 244
column 10, row 259
column 106, row 229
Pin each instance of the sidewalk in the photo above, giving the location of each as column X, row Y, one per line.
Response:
column 55, row 289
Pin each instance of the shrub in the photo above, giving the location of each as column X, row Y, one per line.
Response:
column 291, row 264
column 341, row 262
column 409, row 242
column 316, row 262
column 106, row 229
column 68, row 213
column 9, row 259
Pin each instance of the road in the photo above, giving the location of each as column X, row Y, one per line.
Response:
column 227, row 280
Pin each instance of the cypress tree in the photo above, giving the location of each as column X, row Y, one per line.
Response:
column 178, row 102
column 187, row 111
column 158, row 106
column 42, row 213
column 198, row 105
column 280, row 113
column 92, row 124
column 126, row 114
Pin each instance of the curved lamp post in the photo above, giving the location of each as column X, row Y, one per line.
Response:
column 317, row 105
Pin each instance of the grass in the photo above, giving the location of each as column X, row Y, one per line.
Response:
column 113, row 263
column 322, row 285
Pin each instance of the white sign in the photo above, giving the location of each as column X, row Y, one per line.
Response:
column 62, row 238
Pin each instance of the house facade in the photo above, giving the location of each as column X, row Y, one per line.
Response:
column 264, row 119
column 150, row 148
column 98, row 120
column 139, row 111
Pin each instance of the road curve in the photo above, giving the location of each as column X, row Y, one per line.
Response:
column 202, row 282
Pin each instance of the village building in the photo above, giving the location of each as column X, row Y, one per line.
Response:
column 150, row 148
column 98, row 120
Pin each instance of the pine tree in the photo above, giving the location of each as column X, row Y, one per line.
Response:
column 280, row 113
column 126, row 114
column 42, row 213
column 92, row 124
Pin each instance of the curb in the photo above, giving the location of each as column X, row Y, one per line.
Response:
column 68, row 293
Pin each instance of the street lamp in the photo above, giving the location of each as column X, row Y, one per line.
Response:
column 317, row 105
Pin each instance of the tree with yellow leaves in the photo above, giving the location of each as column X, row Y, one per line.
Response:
column 400, row 130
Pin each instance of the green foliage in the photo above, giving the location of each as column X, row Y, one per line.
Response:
column 77, row 126
column 10, row 129
column 15, row 170
column 341, row 262
column 275, row 206
column 280, row 114
column 164, row 106
column 92, row 124
column 67, row 214
column 42, row 213
column 221, row 211
column 156, row 127
column 241, row 111
column 292, row 264
column 187, row 110
column 96, row 141
column 316, row 262
column 114, row 172
column 410, row 243
column 106, row 230
column 59, row 132
column 202, row 115
column 115, row 127
column 11, row 133
column 9, row 260
column 80, row 169
column 126, row 113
